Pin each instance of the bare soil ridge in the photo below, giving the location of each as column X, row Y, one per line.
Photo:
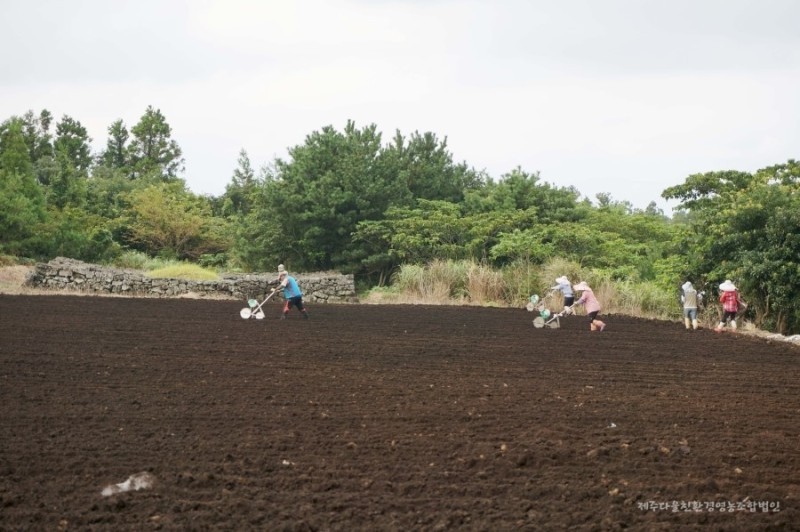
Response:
column 386, row 418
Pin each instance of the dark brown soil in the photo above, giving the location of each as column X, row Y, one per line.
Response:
column 388, row 418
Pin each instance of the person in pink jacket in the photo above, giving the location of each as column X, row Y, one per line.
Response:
column 590, row 303
column 731, row 303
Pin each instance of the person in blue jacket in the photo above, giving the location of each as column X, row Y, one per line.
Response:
column 291, row 293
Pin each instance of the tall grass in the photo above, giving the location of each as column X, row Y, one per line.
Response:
column 484, row 286
column 8, row 260
column 469, row 282
column 191, row 272
column 442, row 282
column 164, row 268
column 634, row 298
column 556, row 267
column 439, row 282
column 521, row 280
column 137, row 260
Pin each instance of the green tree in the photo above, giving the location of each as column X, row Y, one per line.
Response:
column 704, row 198
column 702, row 192
column 108, row 197
column 744, row 227
column 238, row 194
column 36, row 135
column 166, row 219
column 116, row 154
column 22, row 206
column 73, row 232
column 760, row 229
column 425, row 165
column 36, row 131
column 73, row 158
column 436, row 230
column 306, row 212
column 73, row 141
column 152, row 151
column 634, row 242
column 521, row 190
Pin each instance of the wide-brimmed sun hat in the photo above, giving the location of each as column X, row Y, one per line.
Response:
column 727, row 286
column 281, row 270
column 581, row 286
column 687, row 285
column 562, row 280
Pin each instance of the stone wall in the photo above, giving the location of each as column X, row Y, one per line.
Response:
column 69, row 274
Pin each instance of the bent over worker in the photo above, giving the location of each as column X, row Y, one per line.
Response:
column 291, row 293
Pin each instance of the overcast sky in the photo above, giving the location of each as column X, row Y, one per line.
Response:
column 626, row 97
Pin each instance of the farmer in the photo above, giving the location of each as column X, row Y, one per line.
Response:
column 729, row 297
column 291, row 293
column 563, row 285
column 690, row 299
column 591, row 305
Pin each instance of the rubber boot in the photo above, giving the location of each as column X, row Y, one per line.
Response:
column 305, row 314
column 733, row 325
column 720, row 326
column 688, row 323
column 694, row 325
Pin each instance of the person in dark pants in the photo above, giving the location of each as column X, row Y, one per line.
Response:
column 731, row 303
column 592, row 306
column 291, row 293
column 563, row 285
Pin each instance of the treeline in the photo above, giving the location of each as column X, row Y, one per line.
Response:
column 348, row 201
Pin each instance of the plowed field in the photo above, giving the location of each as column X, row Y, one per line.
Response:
column 387, row 418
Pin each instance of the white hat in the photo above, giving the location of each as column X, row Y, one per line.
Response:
column 562, row 280
column 581, row 286
column 727, row 286
column 281, row 270
column 687, row 285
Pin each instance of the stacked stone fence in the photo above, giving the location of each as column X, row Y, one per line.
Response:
column 73, row 275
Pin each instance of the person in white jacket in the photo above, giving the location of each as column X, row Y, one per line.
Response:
column 563, row 285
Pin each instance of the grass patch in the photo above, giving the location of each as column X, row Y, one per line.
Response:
column 8, row 260
column 159, row 268
column 191, row 272
column 12, row 279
